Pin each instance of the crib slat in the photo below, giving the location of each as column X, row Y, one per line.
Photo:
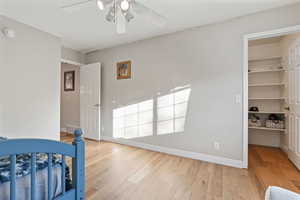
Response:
column 63, row 175
column 13, row 177
column 33, row 176
column 50, row 176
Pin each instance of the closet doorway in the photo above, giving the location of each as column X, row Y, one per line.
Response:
column 272, row 100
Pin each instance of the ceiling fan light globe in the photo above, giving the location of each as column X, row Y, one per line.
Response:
column 100, row 4
column 125, row 5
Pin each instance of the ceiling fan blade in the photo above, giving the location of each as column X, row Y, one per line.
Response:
column 110, row 17
column 121, row 22
column 150, row 14
column 76, row 6
column 106, row 2
column 81, row 4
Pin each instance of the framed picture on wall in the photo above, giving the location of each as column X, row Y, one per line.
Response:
column 69, row 81
column 124, row 70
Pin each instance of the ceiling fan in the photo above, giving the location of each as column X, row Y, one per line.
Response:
column 121, row 12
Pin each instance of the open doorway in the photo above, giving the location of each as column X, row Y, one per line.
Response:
column 80, row 99
column 272, row 100
column 70, row 98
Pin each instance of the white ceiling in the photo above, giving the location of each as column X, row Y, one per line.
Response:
column 86, row 29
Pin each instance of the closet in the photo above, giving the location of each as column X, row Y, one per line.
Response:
column 274, row 94
column 267, row 88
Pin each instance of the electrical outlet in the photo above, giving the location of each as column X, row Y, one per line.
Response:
column 217, row 145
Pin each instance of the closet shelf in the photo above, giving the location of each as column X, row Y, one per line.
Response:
column 266, row 84
column 267, row 112
column 268, row 98
column 267, row 129
column 265, row 70
column 262, row 59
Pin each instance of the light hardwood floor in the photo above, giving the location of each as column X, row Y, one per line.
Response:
column 272, row 167
column 115, row 172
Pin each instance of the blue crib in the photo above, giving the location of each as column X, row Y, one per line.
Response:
column 14, row 147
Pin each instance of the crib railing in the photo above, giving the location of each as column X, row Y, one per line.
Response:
column 76, row 151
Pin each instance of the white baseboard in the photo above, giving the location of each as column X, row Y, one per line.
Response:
column 63, row 130
column 284, row 148
column 177, row 152
column 69, row 128
column 294, row 158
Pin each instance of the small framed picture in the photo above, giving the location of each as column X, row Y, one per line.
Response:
column 124, row 70
column 69, row 81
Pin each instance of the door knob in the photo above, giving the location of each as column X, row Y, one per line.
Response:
column 97, row 105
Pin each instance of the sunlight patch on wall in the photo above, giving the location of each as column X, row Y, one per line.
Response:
column 132, row 121
column 164, row 114
column 171, row 112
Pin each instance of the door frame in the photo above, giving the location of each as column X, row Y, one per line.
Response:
column 246, row 39
column 62, row 60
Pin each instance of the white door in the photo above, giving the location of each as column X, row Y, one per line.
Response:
column 294, row 103
column 90, row 93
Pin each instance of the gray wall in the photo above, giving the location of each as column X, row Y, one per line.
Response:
column 70, row 100
column 29, row 83
column 72, row 55
column 208, row 58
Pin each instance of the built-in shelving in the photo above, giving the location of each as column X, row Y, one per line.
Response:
column 266, row 84
column 266, row 58
column 267, row 129
column 267, row 98
column 267, row 112
column 267, row 93
column 265, row 70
